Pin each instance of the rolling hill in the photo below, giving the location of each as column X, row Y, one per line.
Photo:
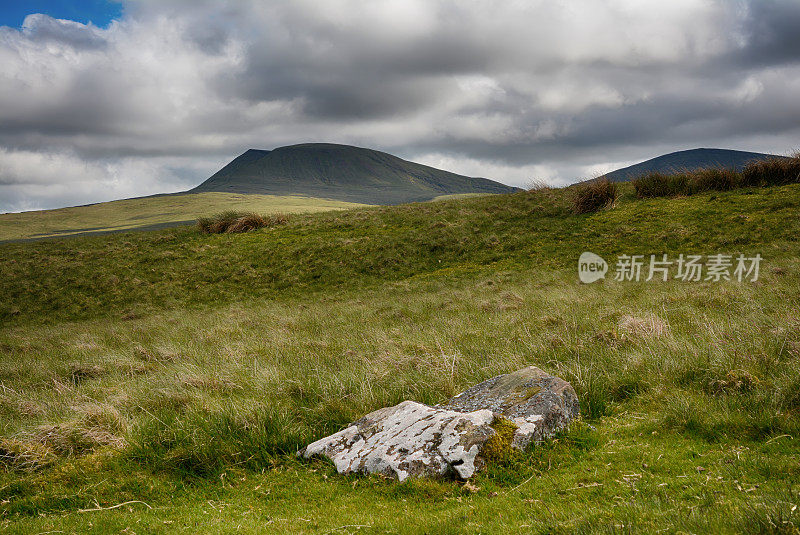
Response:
column 343, row 173
column 689, row 160
column 150, row 213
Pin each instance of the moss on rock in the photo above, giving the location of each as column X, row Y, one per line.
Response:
column 498, row 448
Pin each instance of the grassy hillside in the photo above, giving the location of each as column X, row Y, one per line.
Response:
column 690, row 160
column 149, row 212
column 342, row 172
column 179, row 372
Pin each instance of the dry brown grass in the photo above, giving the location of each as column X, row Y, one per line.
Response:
column 774, row 172
column 210, row 384
column 537, row 184
column 17, row 405
column 80, row 372
column 98, row 425
column 74, row 439
column 151, row 355
column 647, row 327
column 734, row 381
column 234, row 222
column 764, row 173
column 24, row 456
column 593, row 196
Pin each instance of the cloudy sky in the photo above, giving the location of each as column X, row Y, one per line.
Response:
column 104, row 100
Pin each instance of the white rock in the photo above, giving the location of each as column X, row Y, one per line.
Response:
column 409, row 439
column 414, row 440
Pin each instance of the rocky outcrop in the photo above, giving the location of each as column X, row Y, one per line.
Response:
column 538, row 403
column 455, row 438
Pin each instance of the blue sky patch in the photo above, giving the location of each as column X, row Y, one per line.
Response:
column 99, row 12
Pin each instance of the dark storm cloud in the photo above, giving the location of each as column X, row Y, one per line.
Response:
column 505, row 90
column 771, row 29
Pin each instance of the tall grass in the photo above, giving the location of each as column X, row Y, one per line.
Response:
column 772, row 172
column 203, row 443
column 686, row 183
column 205, row 391
column 593, row 195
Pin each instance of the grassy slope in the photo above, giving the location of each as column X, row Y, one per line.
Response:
column 214, row 356
column 150, row 211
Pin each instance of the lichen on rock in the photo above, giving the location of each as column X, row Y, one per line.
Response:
column 409, row 439
column 540, row 404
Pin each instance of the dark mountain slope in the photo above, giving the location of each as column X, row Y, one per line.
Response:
column 689, row 160
column 341, row 172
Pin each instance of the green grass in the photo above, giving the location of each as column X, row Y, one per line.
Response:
column 188, row 368
column 130, row 214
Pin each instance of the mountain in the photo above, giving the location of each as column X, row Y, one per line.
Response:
column 341, row 172
column 689, row 160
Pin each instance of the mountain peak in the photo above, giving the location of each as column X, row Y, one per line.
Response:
column 341, row 172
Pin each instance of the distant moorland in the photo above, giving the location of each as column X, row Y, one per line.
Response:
column 150, row 213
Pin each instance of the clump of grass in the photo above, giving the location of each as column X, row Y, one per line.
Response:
column 71, row 438
column 593, row 196
column 24, row 456
column 537, row 184
column 773, row 172
column 765, row 173
column 661, row 185
column 98, row 426
column 686, row 183
column 682, row 413
column 714, row 179
column 80, row 372
column 647, row 327
column 232, row 222
column 735, row 381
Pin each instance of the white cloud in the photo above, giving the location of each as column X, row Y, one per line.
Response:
column 514, row 89
column 34, row 180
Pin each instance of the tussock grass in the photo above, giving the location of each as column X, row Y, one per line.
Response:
column 18, row 455
column 686, row 183
column 536, row 184
column 204, row 443
column 594, row 195
column 651, row 326
column 75, row 439
column 774, row 172
column 233, row 222
column 765, row 173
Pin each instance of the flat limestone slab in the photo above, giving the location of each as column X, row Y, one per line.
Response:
column 409, row 439
column 456, row 437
